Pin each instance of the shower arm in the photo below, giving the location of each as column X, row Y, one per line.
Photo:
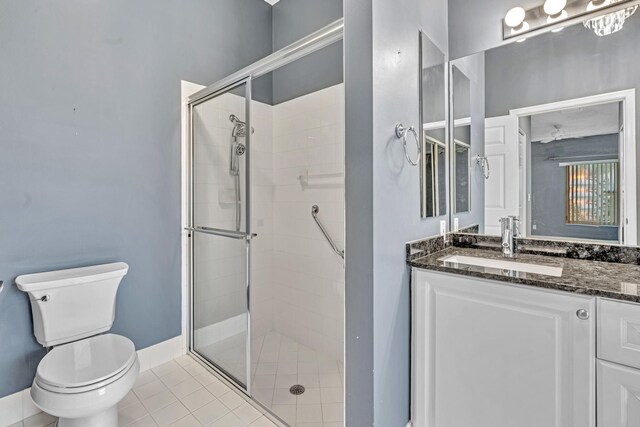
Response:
column 314, row 212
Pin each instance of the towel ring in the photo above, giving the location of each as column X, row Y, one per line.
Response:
column 401, row 133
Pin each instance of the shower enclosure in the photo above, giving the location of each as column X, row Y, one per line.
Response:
column 267, row 232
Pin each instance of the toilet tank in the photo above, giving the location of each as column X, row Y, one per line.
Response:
column 68, row 305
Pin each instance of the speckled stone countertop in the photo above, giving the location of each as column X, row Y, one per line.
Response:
column 586, row 277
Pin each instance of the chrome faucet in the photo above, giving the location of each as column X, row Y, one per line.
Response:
column 509, row 229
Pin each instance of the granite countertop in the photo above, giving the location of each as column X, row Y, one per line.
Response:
column 586, row 277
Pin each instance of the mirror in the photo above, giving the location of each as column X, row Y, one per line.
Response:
column 461, row 143
column 560, row 126
column 433, row 111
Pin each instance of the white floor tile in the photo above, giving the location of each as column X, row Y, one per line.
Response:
column 175, row 377
column 311, row 396
column 331, row 395
column 286, row 412
column 146, row 421
column 145, row 378
column 129, row 399
column 309, row 414
column 282, row 396
column 218, row 388
column 262, row 422
column 229, row 420
column 231, row 400
column 170, row 414
column 197, row 399
column 150, row 389
column 185, row 388
column 39, row 420
column 211, row 412
column 247, row 413
column 188, row 421
column 166, row 368
column 131, row 413
column 159, row 401
column 332, row 412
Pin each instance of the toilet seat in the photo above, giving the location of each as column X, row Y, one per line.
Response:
column 86, row 365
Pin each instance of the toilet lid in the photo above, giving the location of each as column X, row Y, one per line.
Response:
column 87, row 361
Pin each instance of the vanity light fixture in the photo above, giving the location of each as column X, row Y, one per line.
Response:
column 603, row 17
column 610, row 23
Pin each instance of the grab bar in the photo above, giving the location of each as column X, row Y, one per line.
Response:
column 223, row 233
column 314, row 212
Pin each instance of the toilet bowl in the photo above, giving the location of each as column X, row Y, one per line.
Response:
column 88, row 371
column 82, row 382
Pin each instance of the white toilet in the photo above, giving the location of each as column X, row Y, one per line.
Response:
column 86, row 373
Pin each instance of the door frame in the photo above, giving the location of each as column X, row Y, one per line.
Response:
column 627, row 152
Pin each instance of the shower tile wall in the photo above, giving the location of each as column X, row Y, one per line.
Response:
column 262, row 219
column 308, row 277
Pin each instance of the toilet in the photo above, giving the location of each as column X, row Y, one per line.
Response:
column 87, row 370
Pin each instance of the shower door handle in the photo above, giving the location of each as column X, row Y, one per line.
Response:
column 222, row 233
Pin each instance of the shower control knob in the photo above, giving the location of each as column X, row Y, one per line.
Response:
column 582, row 314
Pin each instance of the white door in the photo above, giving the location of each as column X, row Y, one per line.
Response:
column 487, row 354
column 618, row 395
column 502, row 189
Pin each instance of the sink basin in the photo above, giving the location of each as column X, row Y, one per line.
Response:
column 500, row 264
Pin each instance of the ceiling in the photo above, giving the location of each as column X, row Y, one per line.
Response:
column 576, row 122
column 272, row 2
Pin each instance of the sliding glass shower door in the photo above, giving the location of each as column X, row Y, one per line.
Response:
column 221, row 234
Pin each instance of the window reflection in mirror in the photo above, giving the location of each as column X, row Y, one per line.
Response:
column 433, row 111
column 560, row 136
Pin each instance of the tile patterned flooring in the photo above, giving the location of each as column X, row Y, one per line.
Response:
column 281, row 363
column 180, row 393
column 184, row 393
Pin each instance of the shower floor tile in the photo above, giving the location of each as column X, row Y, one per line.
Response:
column 281, row 363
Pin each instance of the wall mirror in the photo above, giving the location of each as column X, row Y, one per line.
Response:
column 560, row 125
column 461, row 139
column 434, row 172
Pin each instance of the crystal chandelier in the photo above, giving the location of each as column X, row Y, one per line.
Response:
column 611, row 22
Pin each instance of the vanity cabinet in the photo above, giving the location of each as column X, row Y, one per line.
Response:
column 618, row 395
column 618, row 345
column 489, row 354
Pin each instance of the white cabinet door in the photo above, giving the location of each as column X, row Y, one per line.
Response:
column 618, row 395
column 488, row 354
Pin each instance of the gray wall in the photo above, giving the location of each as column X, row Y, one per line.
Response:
column 473, row 67
column 558, row 66
column 293, row 19
column 383, row 203
column 359, row 274
column 475, row 25
column 549, row 192
column 90, row 148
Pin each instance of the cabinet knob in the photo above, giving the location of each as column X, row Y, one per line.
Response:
column 582, row 314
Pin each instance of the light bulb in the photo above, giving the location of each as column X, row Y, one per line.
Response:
column 554, row 7
column 558, row 17
column 597, row 4
column 515, row 17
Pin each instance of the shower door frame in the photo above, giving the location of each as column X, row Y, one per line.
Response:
column 248, row 235
column 305, row 46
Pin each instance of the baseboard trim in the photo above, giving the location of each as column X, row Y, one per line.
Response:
column 18, row 406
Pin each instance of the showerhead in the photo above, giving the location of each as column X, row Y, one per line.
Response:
column 234, row 119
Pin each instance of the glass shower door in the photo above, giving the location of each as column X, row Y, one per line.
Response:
column 221, row 232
